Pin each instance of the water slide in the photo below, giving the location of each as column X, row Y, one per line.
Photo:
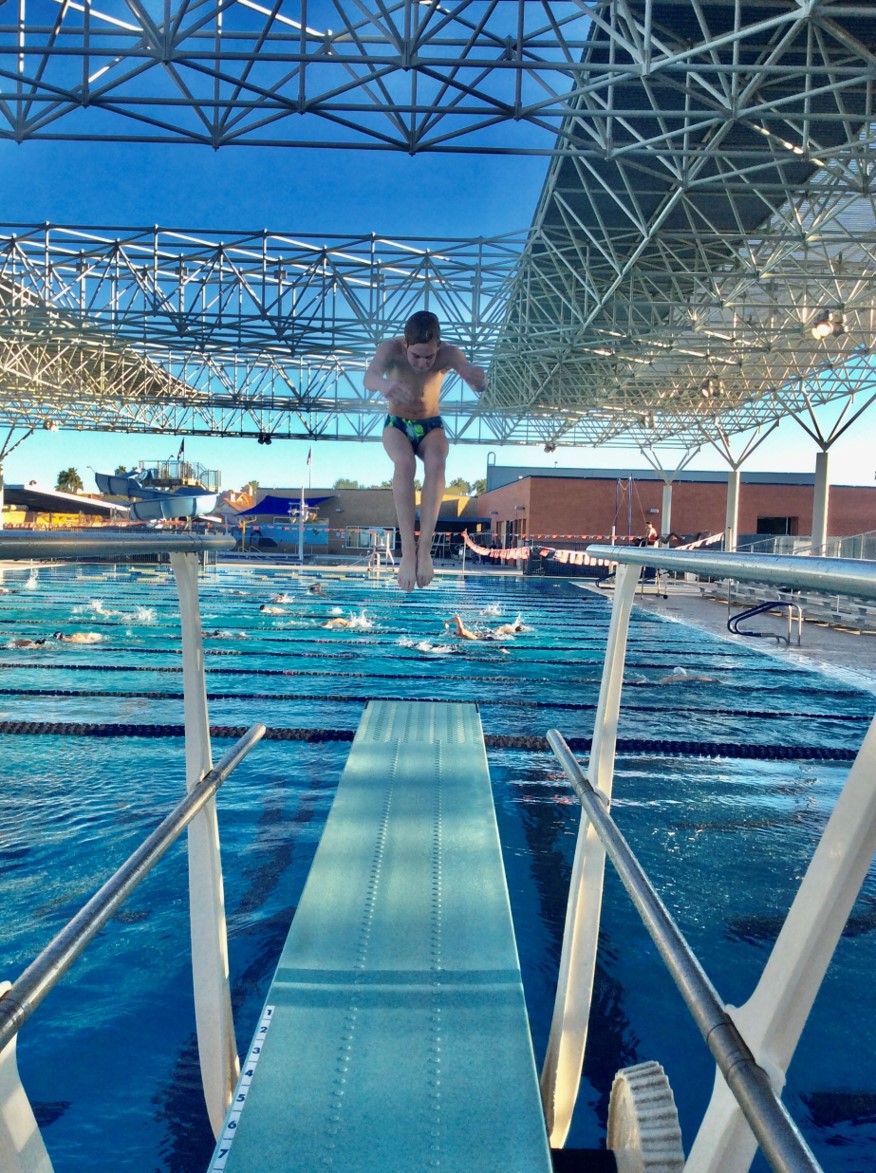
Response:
column 148, row 503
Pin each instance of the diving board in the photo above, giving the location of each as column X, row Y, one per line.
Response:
column 395, row 1034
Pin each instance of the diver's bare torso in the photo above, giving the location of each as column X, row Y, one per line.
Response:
column 413, row 394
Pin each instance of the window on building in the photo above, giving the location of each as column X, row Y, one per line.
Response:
column 778, row 525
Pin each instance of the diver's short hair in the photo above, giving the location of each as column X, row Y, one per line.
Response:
column 423, row 326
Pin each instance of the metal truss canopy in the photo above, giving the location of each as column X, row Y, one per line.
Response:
column 710, row 195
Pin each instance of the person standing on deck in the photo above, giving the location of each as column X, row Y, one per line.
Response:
column 408, row 372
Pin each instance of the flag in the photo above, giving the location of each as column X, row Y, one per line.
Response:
column 182, row 448
column 309, row 457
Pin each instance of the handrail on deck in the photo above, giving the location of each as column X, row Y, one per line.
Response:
column 772, row 1019
column 217, row 1050
column 841, row 576
column 60, row 544
column 776, row 1132
column 45, row 971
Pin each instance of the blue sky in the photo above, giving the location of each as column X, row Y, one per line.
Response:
column 313, row 191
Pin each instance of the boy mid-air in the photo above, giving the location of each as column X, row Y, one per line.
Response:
column 408, row 372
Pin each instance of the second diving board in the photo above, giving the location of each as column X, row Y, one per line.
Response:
column 395, row 1034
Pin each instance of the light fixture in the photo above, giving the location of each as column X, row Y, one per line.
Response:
column 828, row 323
column 550, row 447
column 822, row 327
column 51, row 425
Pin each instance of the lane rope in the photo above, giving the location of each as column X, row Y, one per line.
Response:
column 632, row 746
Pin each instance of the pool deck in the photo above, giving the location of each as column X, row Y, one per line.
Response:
column 839, row 651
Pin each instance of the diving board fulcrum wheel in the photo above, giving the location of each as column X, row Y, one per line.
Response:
column 643, row 1130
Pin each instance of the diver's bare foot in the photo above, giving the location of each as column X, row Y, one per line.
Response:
column 407, row 572
column 425, row 569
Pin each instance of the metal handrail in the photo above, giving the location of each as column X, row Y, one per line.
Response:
column 795, row 612
column 15, row 546
column 25, row 994
column 775, row 1131
column 838, row 576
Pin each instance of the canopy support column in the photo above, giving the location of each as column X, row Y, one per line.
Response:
column 820, row 503
column 731, row 523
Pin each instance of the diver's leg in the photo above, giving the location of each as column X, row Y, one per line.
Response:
column 400, row 451
column 433, row 453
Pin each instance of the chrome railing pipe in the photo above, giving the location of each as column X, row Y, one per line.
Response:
column 61, row 544
column 775, row 1131
column 843, row 576
column 26, row 994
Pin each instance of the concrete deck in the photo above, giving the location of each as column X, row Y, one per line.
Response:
column 845, row 654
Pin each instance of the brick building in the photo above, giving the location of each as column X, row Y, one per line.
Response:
column 542, row 503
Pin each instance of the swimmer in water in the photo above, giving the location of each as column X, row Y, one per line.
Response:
column 515, row 628
column 503, row 631
column 682, row 676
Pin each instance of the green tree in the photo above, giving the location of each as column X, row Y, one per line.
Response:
column 346, row 483
column 459, row 486
column 121, row 470
column 69, row 481
column 479, row 486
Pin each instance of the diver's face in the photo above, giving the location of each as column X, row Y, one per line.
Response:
column 421, row 356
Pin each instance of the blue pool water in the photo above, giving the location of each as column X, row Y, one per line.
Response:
column 109, row 1060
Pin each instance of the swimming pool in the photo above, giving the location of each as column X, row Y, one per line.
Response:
column 109, row 1060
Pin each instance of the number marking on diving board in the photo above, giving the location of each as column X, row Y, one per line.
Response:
column 232, row 1120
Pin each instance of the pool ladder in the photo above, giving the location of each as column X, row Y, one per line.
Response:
column 795, row 615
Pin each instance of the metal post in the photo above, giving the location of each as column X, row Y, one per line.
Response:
column 820, row 503
column 731, row 522
column 217, row 1048
column 666, row 508
column 752, row 1091
column 561, row 1074
column 773, row 1018
column 301, row 528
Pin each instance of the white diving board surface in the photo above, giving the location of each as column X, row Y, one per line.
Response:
column 395, row 1034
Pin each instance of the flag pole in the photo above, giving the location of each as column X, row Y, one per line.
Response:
column 301, row 509
column 301, row 528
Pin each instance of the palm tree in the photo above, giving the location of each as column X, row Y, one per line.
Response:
column 459, row 486
column 69, row 481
